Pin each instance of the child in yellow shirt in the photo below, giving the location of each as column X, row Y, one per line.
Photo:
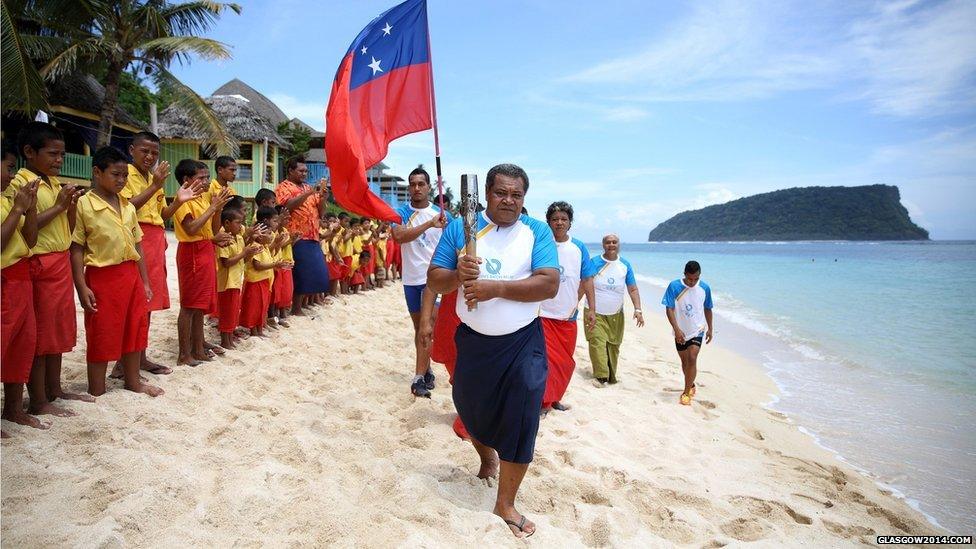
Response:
column 19, row 329
column 110, row 275
column 42, row 146
column 231, row 261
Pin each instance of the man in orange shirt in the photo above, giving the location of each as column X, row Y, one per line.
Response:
column 306, row 204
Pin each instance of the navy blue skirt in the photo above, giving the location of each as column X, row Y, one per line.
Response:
column 498, row 386
column 311, row 275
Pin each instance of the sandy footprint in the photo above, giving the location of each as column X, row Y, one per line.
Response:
column 744, row 529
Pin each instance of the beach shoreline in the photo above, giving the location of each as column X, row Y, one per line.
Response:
column 324, row 444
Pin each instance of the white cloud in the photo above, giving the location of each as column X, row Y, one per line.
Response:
column 919, row 59
column 723, row 51
column 906, row 59
column 609, row 113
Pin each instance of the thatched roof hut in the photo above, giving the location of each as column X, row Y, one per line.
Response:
column 264, row 106
column 83, row 93
column 297, row 123
column 241, row 120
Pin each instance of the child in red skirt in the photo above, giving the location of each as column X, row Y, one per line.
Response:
column 144, row 190
column 196, row 264
column 42, row 146
column 110, row 275
column 230, row 275
column 283, row 290
column 258, row 277
column 19, row 330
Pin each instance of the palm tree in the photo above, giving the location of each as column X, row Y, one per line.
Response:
column 147, row 35
column 23, row 87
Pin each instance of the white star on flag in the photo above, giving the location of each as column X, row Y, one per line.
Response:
column 375, row 65
column 363, row 50
column 387, row 29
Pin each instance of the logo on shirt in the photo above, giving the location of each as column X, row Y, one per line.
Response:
column 493, row 266
column 562, row 276
column 610, row 281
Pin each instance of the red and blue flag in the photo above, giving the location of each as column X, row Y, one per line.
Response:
column 381, row 91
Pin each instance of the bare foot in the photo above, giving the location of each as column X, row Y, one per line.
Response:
column 284, row 324
column 215, row 349
column 153, row 368
column 241, row 332
column 49, row 409
column 229, row 345
column 117, row 372
column 21, row 418
column 202, row 357
column 520, row 526
column 75, row 396
column 187, row 361
column 147, row 389
column 489, row 464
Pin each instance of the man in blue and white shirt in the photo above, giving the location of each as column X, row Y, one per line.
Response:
column 614, row 276
column 500, row 375
column 688, row 305
column 418, row 235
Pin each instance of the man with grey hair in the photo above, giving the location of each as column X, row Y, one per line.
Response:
column 500, row 374
column 613, row 276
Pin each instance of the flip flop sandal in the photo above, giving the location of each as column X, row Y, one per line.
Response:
column 559, row 406
column 160, row 370
column 520, row 525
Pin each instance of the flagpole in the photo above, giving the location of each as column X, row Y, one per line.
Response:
column 433, row 116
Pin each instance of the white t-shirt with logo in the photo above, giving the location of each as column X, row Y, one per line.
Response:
column 508, row 253
column 689, row 304
column 610, row 283
column 574, row 267
column 417, row 253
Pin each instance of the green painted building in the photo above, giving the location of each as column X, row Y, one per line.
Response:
column 259, row 157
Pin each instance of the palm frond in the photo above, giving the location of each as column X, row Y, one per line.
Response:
column 63, row 15
column 75, row 55
column 169, row 46
column 205, row 120
column 42, row 47
column 195, row 17
column 22, row 86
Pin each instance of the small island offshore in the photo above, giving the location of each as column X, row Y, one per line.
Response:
column 869, row 212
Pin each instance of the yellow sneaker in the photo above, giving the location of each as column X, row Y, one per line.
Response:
column 685, row 399
column 692, row 391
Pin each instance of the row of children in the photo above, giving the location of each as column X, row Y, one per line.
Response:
column 109, row 242
column 360, row 254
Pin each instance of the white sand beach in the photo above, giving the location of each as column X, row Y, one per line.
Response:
column 311, row 438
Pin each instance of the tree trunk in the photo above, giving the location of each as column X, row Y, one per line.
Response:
column 112, row 78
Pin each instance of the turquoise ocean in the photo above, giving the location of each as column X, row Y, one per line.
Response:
column 870, row 343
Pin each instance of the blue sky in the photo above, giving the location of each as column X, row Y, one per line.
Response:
column 634, row 111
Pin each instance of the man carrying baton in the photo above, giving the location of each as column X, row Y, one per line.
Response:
column 500, row 375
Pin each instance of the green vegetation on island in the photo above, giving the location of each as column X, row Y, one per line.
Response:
column 870, row 212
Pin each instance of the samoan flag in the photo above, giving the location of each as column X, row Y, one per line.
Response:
column 382, row 91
